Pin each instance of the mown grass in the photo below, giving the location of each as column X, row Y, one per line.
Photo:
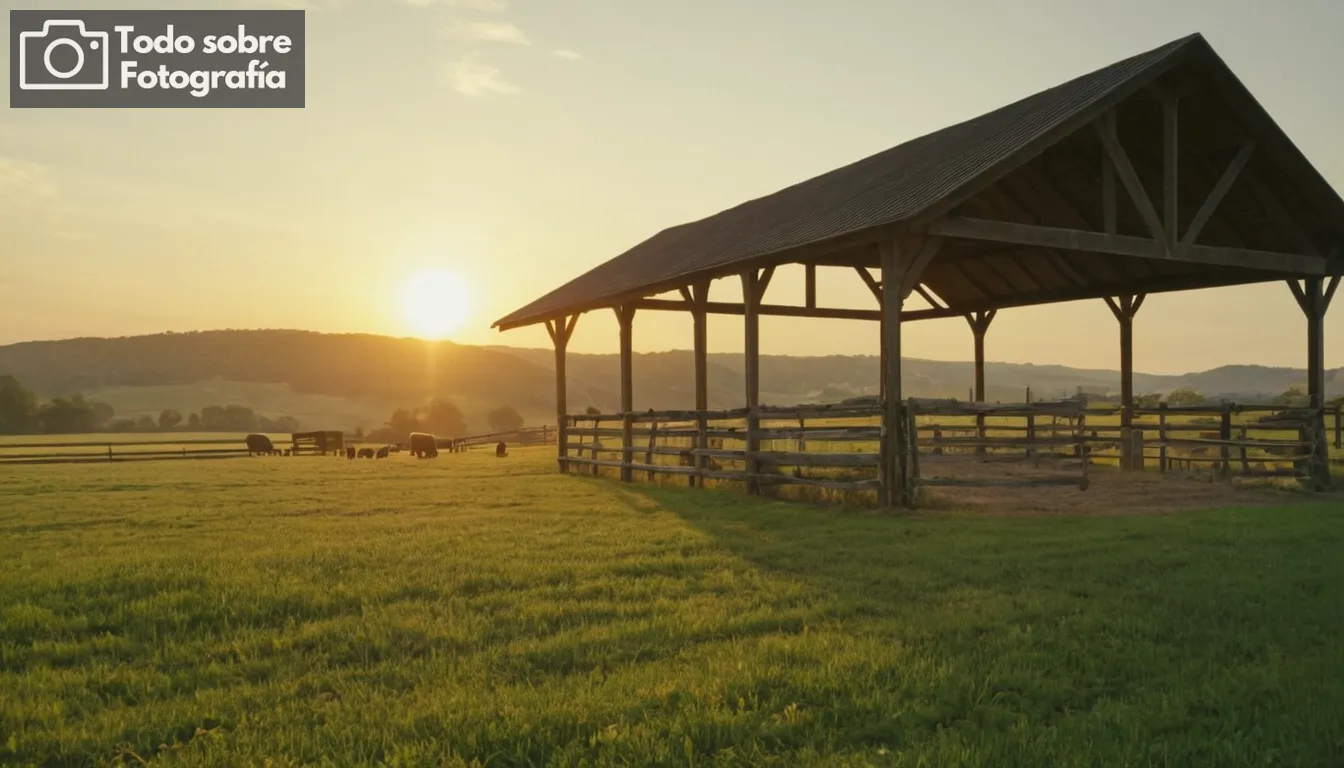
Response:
column 470, row 610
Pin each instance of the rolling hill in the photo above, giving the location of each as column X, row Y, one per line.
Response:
column 349, row 380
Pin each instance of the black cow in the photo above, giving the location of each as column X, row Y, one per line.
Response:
column 366, row 453
column 382, row 452
column 350, row 452
column 501, row 450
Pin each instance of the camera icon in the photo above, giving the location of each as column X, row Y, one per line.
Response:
column 45, row 58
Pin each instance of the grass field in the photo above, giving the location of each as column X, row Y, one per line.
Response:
column 470, row 610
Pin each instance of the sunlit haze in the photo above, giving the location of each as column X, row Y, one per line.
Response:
column 514, row 146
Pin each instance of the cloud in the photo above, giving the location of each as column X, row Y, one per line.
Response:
column 471, row 77
column 464, row 5
column 566, row 53
column 489, row 32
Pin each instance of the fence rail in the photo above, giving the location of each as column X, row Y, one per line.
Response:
column 103, row 451
column 944, row 443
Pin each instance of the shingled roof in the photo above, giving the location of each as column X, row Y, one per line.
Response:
column 897, row 185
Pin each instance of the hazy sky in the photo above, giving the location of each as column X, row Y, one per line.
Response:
column 520, row 143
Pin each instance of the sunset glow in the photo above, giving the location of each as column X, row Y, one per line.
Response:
column 436, row 304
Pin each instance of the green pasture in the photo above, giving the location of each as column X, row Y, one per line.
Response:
column 478, row 611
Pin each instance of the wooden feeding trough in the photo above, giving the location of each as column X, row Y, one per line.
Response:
column 319, row 443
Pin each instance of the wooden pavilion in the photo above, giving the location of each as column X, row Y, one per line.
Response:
column 1158, row 173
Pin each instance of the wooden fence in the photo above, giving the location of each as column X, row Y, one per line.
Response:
column 87, row 452
column 947, row 444
column 544, row 435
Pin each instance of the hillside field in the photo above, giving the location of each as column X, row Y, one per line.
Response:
column 476, row 611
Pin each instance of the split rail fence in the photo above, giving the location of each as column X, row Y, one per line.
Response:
column 946, row 444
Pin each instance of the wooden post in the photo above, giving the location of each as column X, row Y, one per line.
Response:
column 561, row 329
column 1031, row 433
column 751, row 300
column 625, row 314
column 597, row 443
column 700, row 298
column 1339, row 429
column 648, row 454
column 1314, row 299
column 1245, row 465
column 979, row 322
column 912, row 474
column 1225, row 434
column 895, row 254
column 1162, row 435
column 1124, row 311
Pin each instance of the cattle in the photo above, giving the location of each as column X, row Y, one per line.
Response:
column 260, row 444
column 366, row 453
column 382, row 452
column 424, row 445
column 501, row 450
column 350, row 452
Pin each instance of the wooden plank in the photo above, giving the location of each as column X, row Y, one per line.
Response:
column 1110, row 141
column 1220, row 190
column 895, row 255
column 788, row 459
column 1170, row 168
column 833, row 485
column 874, row 287
column 944, row 482
column 773, row 310
column 810, row 285
column 1123, row 245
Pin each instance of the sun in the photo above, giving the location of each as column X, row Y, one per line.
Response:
column 436, row 303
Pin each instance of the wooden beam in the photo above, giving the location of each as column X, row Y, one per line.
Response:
column 773, row 310
column 928, row 296
column 763, row 282
column 569, row 327
column 915, row 269
column 1124, row 245
column 1298, row 294
column 625, row 315
column 560, row 330
column 686, row 294
column 1125, row 170
column 751, row 299
column 1329, row 293
column 1170, row 168
column 700, row 319
column 1220, row 190
column 810, row 285
column 873, row 286
column 895, row 255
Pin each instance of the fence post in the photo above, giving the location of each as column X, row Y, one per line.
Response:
column 1339, row 428
column 912, row 471
column 648, row 455
column 1162, row 435
column 701, row 444
column 1245, row 464
column 1031, row 434
column 1225, row 434
column 1081, row 446
column 597, row 443
column 109, row 451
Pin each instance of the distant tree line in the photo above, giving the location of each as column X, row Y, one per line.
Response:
column 21, row 413
column 441, row 418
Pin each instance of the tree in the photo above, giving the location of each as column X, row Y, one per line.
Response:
column 1185, row 397
column 194, row 421
column 287, row 424
column 169, row 419
column 145, row 423
column 505, row 418
column 67, row 416
column 443, row 419
column 1147, row 401
column 102, row 413
column 18, row 407
column 1292, row 396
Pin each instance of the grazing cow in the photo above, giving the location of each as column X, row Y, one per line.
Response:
column 501, row 450
column 366, row 453
column 259, row 444
column 350, row 452
column 424, row 445
column 382, row 452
